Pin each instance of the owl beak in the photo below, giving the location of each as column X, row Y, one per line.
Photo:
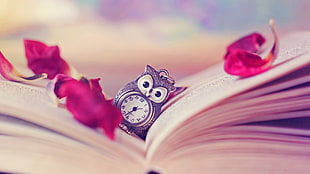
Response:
column 148, row 93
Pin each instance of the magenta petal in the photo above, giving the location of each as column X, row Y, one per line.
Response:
column 241, row 63
column 34, row 49
column 241, row 58
column 8, row 72
column 250, row 43
column 96, row 87
column 89, row 106
column 108, row 124
column 82, row 103
column 58, row 82
column 6, row 68
column 45, row 59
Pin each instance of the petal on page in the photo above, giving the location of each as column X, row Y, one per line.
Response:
column 250, row 43
column 241, row 58
column 46, row 59
column 112, row 116
column 87, row 103
column 54, row 90
column 8, row 72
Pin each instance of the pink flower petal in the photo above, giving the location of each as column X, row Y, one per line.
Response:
column 58, row 83
column 95, row 86
column 250, row 43
column 45, row 59
column 241, row 58
column 88, row 105
column 242, row 63
column 8, row 72
column 6, row 69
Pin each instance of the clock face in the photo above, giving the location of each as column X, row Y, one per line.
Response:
column 135, row 109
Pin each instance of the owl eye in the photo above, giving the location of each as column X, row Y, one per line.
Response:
column 158, row 94
column 145, row 83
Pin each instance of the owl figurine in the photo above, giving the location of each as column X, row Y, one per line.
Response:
column 140, row 101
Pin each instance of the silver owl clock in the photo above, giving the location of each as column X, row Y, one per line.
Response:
column 141, row 100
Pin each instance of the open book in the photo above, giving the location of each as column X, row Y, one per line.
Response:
column 220, row 124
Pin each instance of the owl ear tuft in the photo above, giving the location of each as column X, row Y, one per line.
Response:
column 149, row 69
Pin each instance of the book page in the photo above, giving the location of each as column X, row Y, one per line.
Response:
column 298, row 78
column 31, row 104
column 29, row 148
column 205, row 91
column 276, row 109
column 286, row 109
column 243, row 149
column 29, row 155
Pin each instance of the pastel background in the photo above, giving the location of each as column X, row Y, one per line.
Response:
column 115, row 39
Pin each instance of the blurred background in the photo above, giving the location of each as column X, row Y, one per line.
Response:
column 115, row 39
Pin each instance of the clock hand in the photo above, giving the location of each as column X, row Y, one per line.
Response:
column 129, row 112
column 137, row 108
column 133, row 109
